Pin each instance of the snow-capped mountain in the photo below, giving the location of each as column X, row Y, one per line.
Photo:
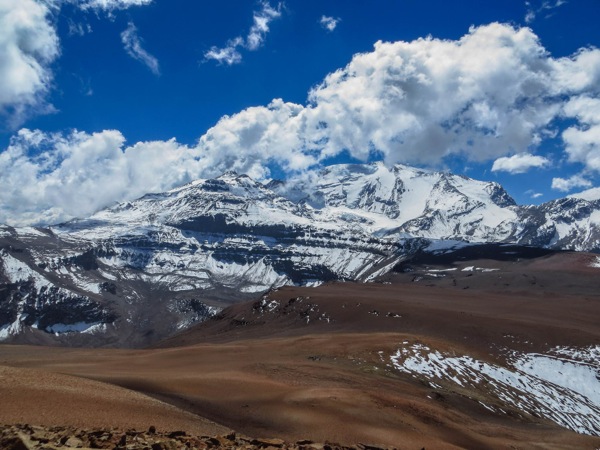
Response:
column 402, row 201
column 144, row 269
column 406, row 201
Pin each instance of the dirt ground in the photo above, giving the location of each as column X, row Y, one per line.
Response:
column 305, row 362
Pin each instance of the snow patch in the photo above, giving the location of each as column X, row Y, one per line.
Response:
column 78, row 327
column 445, row 245
column 11, row 329
column 268, row 305
column 87, row 286
column 564, row 391
column 590, row 355
column 570, row 374
column 481, row 269
column 31, row 231
column 16, row 270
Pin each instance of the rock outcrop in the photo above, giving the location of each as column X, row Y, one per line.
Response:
column 28, row 437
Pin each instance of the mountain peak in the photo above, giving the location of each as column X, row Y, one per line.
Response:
column 591, row 195
column 231, row 236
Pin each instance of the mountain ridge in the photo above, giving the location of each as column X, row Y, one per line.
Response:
column 142, row 270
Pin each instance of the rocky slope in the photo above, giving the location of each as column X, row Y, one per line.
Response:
column 19, row 437
column 142, row 270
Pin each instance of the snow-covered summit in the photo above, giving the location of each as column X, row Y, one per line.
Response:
column 237, row 196
column 591, row 195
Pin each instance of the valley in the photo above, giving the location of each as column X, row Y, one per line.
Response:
column 414, row 360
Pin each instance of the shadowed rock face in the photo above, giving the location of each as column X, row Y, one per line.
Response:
column 49, row 306
column 135, row 273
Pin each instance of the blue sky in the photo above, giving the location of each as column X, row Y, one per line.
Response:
column 103, row 100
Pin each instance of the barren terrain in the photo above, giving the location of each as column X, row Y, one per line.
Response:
column 318, row 363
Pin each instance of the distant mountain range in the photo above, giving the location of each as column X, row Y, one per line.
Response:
column 142, row 270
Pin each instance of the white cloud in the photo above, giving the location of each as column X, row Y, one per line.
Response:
column 577, row 74
column 493, row 93
column 583, row 140
column 533, row 194
column 109, row 5
column 519, row 163
column 133, row 46
column 535, row 7
column 226, row 55
column 28, row 46
column 329, row 23
column 568, row 184
column 256, row 37
column 529, row 16
column 49, row 178
column 246, row 141
column 78, row 28
column 260, row 25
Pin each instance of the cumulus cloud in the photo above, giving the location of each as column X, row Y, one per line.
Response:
column 519, row 163
column 249, row 140
column 329, row 23
column 230, row 54
column 582, row 141
column 48, row 178
column 133, row 46
column 28, row 46
column 494, row 93
column 568, row 184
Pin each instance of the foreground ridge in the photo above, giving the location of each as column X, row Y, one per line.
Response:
column 28, row 437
